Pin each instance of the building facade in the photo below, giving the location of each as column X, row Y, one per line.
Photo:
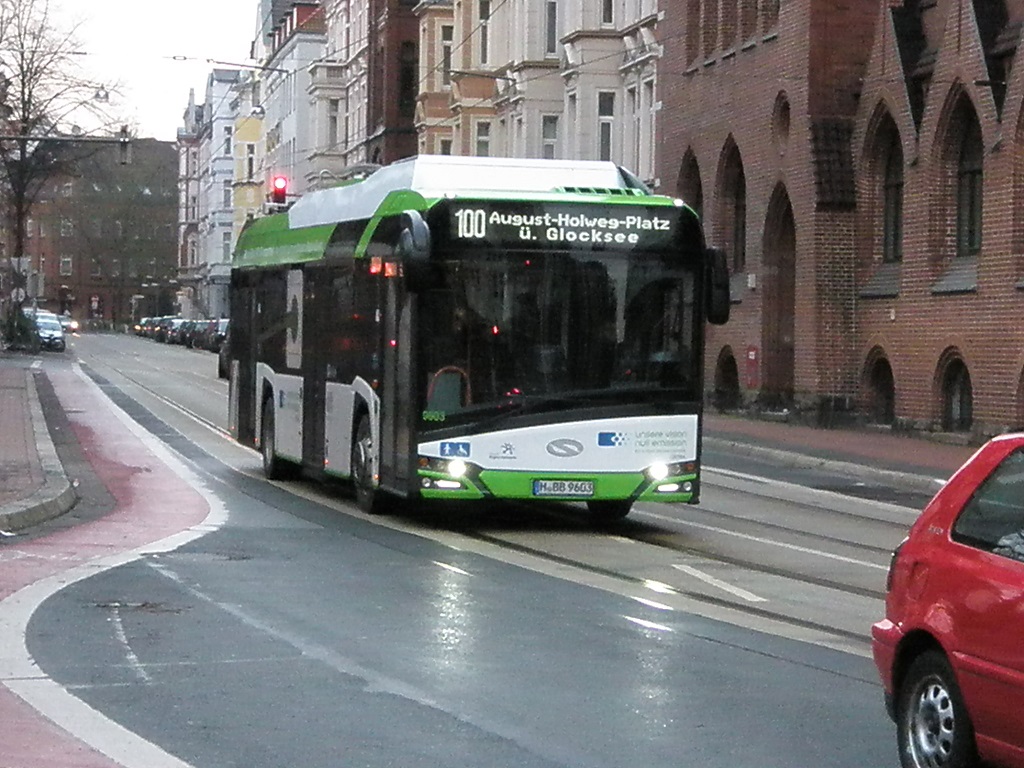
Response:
column 101, row 239
column 216, row 200
column 392, row 80
column 866, row 186
column 249, row 190
column 549, row 79
column 189, row 271
column 290, row 141
column 338, row 90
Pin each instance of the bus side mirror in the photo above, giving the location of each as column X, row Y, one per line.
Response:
column 413, row 250
column 716, row 284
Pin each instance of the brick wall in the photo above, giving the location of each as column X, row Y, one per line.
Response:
column 844, row 62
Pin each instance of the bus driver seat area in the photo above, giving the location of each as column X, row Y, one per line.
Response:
column 449, row 389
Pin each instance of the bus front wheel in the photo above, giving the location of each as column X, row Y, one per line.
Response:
column 608, row 511
column 368, row 497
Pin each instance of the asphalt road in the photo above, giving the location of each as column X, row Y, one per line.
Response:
column 301, row 632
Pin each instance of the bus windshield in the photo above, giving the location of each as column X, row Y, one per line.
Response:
column 556, row 329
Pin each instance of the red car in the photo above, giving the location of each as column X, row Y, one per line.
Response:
column 950, row 650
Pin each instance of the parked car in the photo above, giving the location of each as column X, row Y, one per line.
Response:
column 163, row 328
column 950, row 650
column 204, row 334
column 51, row 335
column 172, row 333
column 218, row 332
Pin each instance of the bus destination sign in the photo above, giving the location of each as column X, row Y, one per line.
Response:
column 539, row 225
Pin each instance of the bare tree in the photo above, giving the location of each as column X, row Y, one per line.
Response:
column 42, row 88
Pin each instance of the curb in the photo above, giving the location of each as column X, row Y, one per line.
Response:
column 910, row 481
column 56, row 496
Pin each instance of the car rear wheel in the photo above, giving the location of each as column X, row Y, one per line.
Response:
column 933, row 729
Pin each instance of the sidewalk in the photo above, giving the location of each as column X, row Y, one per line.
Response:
column 34, row 487
column 919, row 463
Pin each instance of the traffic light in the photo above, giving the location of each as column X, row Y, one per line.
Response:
column 278, row 190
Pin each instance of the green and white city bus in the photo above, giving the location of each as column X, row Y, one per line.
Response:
column 456, row 328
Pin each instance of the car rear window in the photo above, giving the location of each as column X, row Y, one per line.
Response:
column 993, row 519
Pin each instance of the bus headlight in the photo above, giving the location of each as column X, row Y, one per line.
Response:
column 657, row 471
column 457, row 468
column 680, row 472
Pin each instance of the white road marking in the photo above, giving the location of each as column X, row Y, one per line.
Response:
column 648, row 624
column 129, row 654
column 19, row 671
column 451, row 568
column 709, row 579
column 770, row 542
column 653, row 604
column 660, row 586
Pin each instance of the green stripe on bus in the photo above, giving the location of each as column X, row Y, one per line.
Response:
column 269, row 241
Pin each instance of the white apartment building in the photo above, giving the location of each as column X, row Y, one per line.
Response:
column 298, row 41
column 188, row 205
column 339, row 94
column 216, row 206
column 205, row 148
column 541, row 78
column 250, row 189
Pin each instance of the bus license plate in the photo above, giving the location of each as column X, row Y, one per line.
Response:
column 563, row 487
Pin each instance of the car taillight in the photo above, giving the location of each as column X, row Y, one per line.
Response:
column 892, row 565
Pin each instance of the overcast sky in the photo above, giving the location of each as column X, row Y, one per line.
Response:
column 135, row 42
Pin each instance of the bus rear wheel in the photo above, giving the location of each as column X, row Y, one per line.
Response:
column 368, row 497
column 274, row 468
column 608, row 511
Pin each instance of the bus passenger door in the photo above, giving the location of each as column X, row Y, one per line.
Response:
column 314, row 357
column 290, row 387
column 398, row 396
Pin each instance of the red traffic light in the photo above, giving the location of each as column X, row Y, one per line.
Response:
column 278, row 189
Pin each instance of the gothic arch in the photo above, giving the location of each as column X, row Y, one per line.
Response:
column 957, row 154
column 879, row 386
column 727, row 394
column 688, row 185
column 953, row 393
column 1018, row 190
column 881, row 189
column 730, row 223
column 778, row 327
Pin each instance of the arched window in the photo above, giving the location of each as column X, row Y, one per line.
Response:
column 892, row 203
column 739, row 223
column 733, row 210
column 957, row 398
column 968, row 190
column 882, row 393
column 689, row 187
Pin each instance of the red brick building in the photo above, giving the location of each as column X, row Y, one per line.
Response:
column 101, row 240
column 863, row 165
column 392, row 80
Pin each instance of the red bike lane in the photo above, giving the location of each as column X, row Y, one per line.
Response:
column 153, row 502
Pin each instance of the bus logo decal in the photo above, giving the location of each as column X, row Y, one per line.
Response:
column 611, row 439
column 564, row 448
column 455, row 449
